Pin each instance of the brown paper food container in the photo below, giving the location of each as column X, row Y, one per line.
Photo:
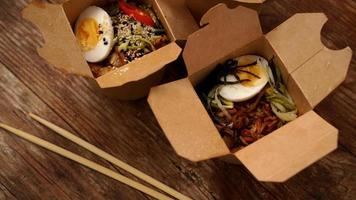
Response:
column 128, row 82
column 199, row 7
column 310, row 71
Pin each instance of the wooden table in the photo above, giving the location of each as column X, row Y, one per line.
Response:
column 129, row 131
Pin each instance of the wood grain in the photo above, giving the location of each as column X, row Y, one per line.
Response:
column 129, row 131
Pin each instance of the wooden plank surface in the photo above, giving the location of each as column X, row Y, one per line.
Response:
column 129, row 131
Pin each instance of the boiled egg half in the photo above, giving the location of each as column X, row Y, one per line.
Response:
column 95, row 33
column 256, row 75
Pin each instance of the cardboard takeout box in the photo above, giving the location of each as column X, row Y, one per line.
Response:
column 309, row 69
column 199, row 7
column 130, row 81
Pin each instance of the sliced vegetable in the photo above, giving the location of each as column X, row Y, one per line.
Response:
column 282, row 100
column 137, row 13
column 279, row 106
column 147, row 42
column 123, row 46
column 285, row 116
column 221, row 107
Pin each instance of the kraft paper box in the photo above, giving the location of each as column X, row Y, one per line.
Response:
column 309, row 69
column 199, row 7
column 128, row 82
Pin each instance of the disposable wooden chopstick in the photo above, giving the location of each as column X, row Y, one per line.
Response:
column 85, row 162
column 110, row 158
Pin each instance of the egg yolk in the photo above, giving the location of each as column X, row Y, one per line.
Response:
column 88, row 34
column 256, row 70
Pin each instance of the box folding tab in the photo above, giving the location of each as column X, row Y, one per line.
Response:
column 309, row 69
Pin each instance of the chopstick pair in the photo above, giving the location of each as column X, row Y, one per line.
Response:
column 92, row 165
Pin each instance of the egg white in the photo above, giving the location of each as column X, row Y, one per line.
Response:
column 100, row 51
column 238, row 92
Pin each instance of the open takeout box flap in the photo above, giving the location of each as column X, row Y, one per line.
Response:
column 289, row 149
column 225, row 31
column 140, row 68
column 199, row 7
column 298, row 39
column 60, row 47
column 320, row 75
column 176, row 18
column 311, row 66
column 185, row 121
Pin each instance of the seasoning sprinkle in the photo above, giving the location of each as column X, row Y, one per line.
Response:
column 132, row 38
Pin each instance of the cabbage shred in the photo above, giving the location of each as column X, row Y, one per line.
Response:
column 133, row 38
